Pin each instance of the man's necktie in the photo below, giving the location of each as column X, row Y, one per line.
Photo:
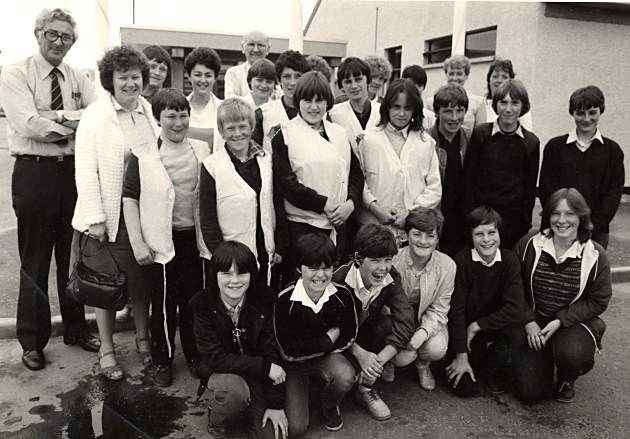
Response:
column 56, row 100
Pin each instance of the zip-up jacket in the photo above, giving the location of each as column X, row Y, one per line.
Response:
column 595, row 283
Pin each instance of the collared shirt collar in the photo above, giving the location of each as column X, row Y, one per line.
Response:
column 139, row 108
column 299, row 294
column 254, row 150
column 572, row 137
column 365, row 295
column 575, row 251
column 395, row 131
column 45, row 67
column 497, row 129
column 476, row 257
column 234, row 311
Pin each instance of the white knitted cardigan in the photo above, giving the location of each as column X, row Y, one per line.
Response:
column 100, row 165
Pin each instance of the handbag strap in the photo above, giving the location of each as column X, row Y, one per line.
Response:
column 83, row 239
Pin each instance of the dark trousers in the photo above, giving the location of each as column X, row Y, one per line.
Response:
column 570, row 352
column 172, row 286
column 232, row 396
column 512, row 230
column 44, row 195
column 491, row 353
column 338, row 376
column 602, row 238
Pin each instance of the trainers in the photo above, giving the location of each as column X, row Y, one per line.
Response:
column 332, row 418
column 425, row 376
column 371, row 400
column 389, row 373
column 163, row 376
column 565, row 392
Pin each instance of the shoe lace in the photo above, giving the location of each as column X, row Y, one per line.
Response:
column 373, row 395
column 566, row 385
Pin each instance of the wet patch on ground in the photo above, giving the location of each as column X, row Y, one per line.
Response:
column 126, row 409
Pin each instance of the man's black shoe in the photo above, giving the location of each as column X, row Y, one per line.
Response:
column 163, row 376
column 332, row 418
column 34, row 360
column 565, row 391
column 84, row 339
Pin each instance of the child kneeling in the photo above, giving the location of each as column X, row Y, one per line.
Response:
column 239, row 357
column 315, row 321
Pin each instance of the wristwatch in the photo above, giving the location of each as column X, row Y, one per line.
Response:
column 60, row 117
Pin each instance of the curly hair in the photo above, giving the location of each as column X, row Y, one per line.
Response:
column 499, row 64
column 457, row 62
column 319, row 64
column 291, row 59
column 121, row 59
column 204, row 56
column 379, row 66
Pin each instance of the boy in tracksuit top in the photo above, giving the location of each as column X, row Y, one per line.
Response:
column 375, row 284
column 240, row 363
column 161, row 212
column 315, row 321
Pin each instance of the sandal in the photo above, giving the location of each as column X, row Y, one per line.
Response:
column 113, row 372
column 145, row 354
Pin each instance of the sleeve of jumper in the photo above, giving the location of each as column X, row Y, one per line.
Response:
column 531, row 177
column 285, row 180
column 281, row 232
column 514, row 309
column 274, row 395
column 208, row 216
column 548, row 183
column 356, row 181
column 595, row 298
column 131, row 181
column 457, row 314
column 469, row 172
column 348, row 322
column 403, row 319
column 432, row 193
column 611, row 197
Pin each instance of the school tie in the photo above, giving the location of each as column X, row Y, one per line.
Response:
column 56, row 100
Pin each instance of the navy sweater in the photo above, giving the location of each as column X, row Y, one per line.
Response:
column 598, row 173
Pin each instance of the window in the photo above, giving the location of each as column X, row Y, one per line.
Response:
column 479, row 43
column 394, row 56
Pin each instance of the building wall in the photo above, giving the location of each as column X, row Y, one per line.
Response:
column 552, row 56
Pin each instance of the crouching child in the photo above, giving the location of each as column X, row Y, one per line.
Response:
column 240, row 361
column 315, row 321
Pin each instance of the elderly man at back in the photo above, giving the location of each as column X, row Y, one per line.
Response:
column 43, row 99
column 255, row 45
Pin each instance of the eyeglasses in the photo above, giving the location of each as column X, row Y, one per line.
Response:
column 53, row 35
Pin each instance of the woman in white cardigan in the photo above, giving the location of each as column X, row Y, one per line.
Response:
column 108, row 129
column 399, row 161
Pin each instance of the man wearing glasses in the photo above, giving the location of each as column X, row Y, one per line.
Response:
column 255, row 46
column 43, row 99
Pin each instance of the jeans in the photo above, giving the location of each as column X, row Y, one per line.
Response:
column 232, row 396
column 338, row 376
column 570, row 352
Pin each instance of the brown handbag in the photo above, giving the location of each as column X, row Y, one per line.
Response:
column 95, row 288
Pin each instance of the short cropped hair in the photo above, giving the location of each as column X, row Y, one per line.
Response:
column 499, row 64
column 230, row 253
column 450, row 95
column 235, row 109
column 291, row 59
column 416, row 74
column 375, row 241
column 204, row 56
column 379, row 66
column 457, row 62
column 414, row 100
column 424, row 219
column 47, row 16
column 481, row 216
column 353, row 66
column 587, row 97
column 262, row 68
column 577, row 203
column 321, row 65
column 121, row 59
column 517, row 91
column 313, row 84
column 169, row 99
column 315, row 250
